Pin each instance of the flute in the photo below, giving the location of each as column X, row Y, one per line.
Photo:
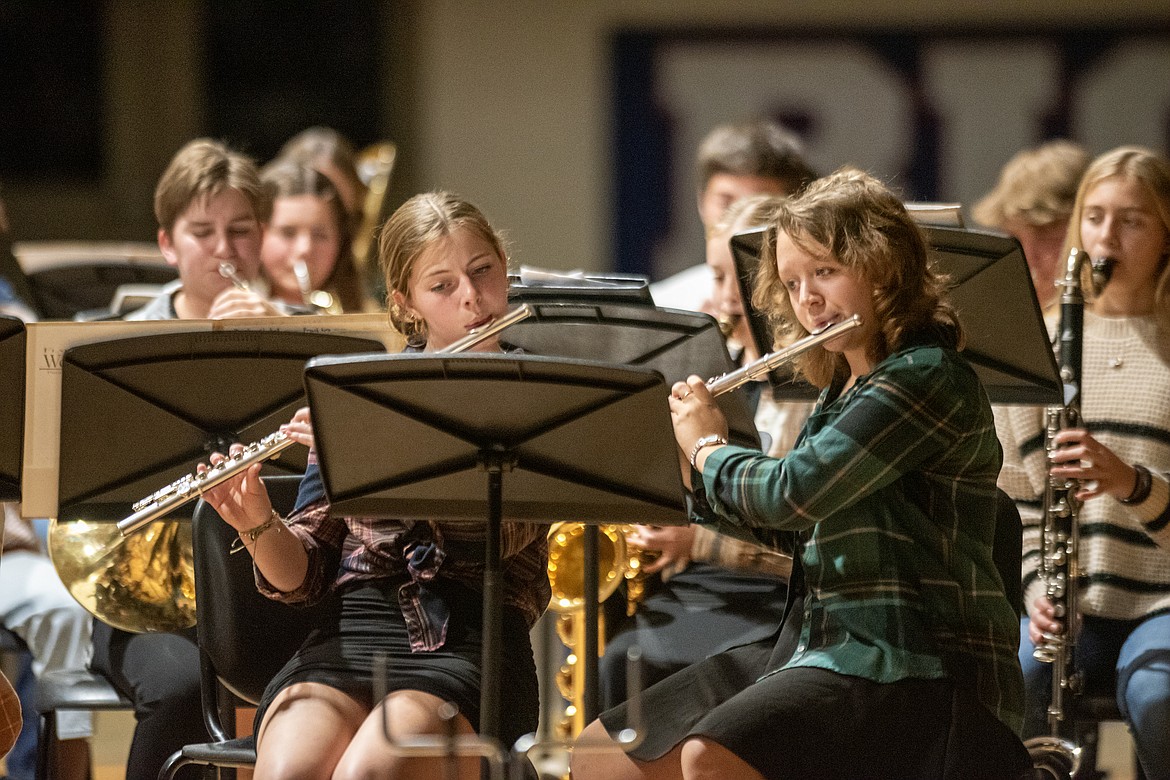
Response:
column 190, row 486
column 759, row 368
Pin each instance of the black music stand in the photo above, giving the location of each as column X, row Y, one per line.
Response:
column 592, row 288
column 990, row 287
column 433, row 436
column 137, row 413
column 1007, row 341
column 674, row 343
column 745, row 253
column 12, row 346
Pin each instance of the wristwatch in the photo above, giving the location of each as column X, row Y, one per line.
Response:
column 705, row 441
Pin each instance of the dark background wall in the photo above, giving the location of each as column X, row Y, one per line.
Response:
column 571, row 124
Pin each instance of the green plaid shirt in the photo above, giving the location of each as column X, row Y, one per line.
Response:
column 891, row 493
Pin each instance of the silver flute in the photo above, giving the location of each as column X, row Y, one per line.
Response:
column 759, row 368
column 190, row 486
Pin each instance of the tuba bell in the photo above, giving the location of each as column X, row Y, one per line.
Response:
column 566, row 564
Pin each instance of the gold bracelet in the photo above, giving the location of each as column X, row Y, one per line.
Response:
column 252, row 534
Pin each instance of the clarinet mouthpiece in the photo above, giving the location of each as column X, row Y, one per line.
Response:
column 1102, row 271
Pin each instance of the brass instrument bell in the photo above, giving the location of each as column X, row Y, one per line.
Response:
column 144, row 582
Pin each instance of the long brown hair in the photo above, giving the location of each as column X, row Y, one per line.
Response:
column 855, row 219
column 1151, row 171
column 411, row 230
column 287, row 178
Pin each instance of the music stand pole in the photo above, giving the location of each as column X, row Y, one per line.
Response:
column 495, row 462
column 591, row 584
column 579, row 440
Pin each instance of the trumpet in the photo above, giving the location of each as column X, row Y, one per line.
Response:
column 228, row 271
column 728, row 324
column 320, row 300
column 190, row 486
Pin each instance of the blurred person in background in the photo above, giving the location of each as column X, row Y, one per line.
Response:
column 1033, row 201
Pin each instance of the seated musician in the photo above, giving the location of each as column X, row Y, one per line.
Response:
column 736, row 160
column 409, row 590
column 34, row 604
column 210, row 207
column 1120, row 453
column 326, row 150
column 1032, row 202
column 901, row 662
column 307, row 252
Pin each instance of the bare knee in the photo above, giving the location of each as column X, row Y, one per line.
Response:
column 408, row 717
column 305, row 733
column 592, row 754
column 597, row 756
column 705, row 759
column 403, row 768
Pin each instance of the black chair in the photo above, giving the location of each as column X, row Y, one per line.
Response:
column 62, row 690
column 1007, row 549
column 57, row 691
column 244, row 637
column 67, row 291
column 1089, row 710
column 72, row 690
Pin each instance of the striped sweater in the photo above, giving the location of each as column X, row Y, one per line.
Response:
column 1125, row 403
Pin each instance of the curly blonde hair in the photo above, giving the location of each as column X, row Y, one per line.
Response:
column 1037, row 186
column 852, row 217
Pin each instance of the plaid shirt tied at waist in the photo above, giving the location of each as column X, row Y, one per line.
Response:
column 344, row 551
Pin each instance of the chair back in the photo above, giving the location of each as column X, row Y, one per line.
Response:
column 1007, row 549
column 246, row 636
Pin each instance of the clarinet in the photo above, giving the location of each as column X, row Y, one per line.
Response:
column 1059, row 536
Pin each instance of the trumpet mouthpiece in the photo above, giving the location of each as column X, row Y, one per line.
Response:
column 301, row 271
column 228, row 271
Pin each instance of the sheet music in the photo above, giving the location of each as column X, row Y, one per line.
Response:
column 46, row 345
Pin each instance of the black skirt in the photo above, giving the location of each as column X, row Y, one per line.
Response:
column 813, row 723
column 365, row 624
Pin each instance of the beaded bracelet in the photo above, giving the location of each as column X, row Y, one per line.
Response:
column 1141, row 487
column 252, row 534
